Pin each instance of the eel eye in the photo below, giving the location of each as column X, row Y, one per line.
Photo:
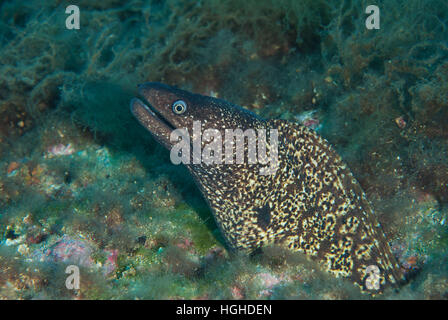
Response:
column 179, row 107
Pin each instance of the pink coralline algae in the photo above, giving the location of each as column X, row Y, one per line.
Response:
column 186, row 244
column 111, row 263
column 309, row 119
column 80, row 253
column 409, row 261
column 71, row 251
column 237, row 293
column 269, row 281
column 60, row 150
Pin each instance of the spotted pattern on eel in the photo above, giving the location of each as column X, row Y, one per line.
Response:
column 312, row 204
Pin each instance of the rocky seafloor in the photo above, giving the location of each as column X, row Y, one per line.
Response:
column 81, row 183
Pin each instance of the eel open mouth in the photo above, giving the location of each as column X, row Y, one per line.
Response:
column 152, row 120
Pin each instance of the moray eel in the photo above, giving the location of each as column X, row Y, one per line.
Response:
column 311, row 203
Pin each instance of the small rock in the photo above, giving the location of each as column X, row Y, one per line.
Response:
column 12, row 167
column 400, row 122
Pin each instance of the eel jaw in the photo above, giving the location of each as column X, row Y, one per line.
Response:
column 159, row 128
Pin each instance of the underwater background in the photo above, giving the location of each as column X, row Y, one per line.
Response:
column 82, row 183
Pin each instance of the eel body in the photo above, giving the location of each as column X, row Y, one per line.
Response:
column 310, row 203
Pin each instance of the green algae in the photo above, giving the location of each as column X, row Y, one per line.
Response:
column 203, row 239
